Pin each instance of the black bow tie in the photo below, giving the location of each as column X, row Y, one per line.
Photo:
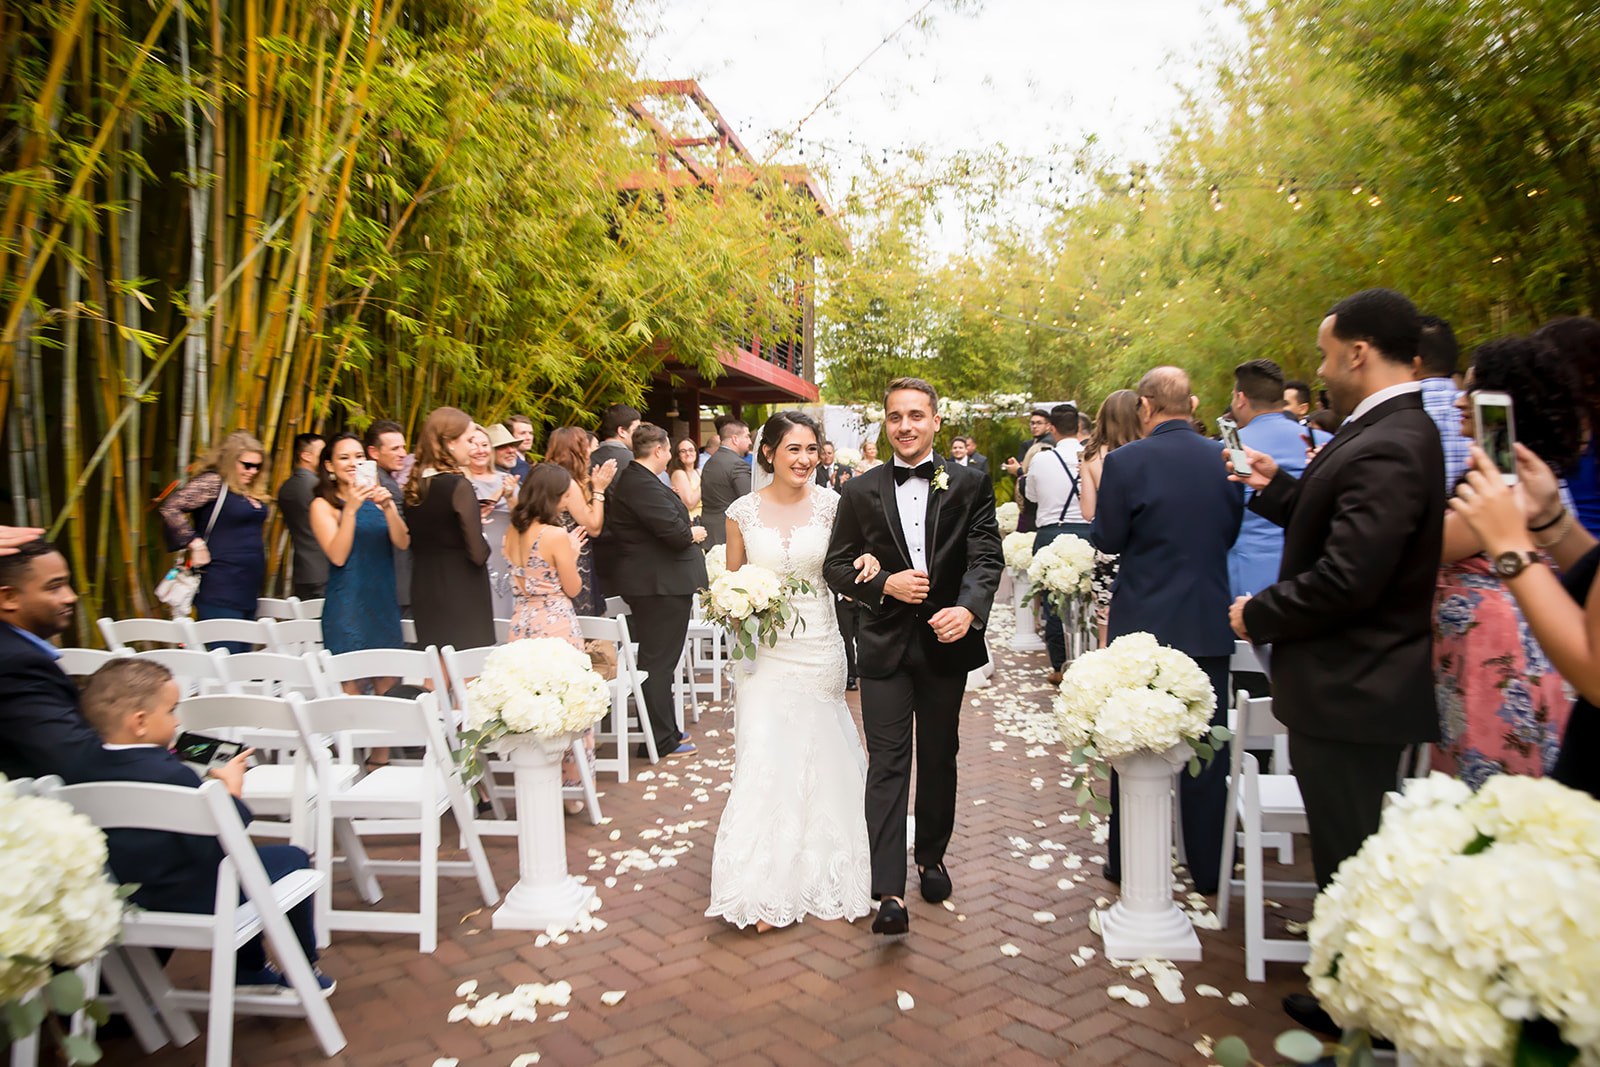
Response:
column 921, row 470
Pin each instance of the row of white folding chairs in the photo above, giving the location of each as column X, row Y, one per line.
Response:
column 289, row 636
column 289, row 608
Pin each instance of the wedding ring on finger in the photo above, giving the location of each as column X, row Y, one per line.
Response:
column 1466, row 492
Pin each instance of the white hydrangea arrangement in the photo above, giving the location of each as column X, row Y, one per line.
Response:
column 1133, row 696
column 1064, row 571
column 753, row 604
column 541, row 686
column 1006, row 516
column 716, row 563
column 847, row 457
column 59, row 908
column 1465, row 928
column 1017, row 549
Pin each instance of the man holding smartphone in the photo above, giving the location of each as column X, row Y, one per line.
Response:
column 1266, row 426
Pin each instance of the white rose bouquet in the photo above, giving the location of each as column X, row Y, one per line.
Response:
column 753, row 604
column 541, row 686
column 1017, row 548
column 1064, row 570
column 58, row 908
column 1465, row 928
column 716, row 562
column 1006, row 516
column 1133, row 696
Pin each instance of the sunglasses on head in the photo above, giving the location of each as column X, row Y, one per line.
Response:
column 249, row 466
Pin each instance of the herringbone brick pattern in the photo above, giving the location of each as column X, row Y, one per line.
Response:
column 701, row 992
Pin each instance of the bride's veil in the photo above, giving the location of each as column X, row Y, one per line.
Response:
column 759, row 479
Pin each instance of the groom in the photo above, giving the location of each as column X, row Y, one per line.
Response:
column 931, row 524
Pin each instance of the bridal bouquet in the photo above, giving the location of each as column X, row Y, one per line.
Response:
column 59, row 909
column 1017, row 548
column 754, row 605
column 1064, row 570
column 1133, row 696
column 1006, row 516
column 540, row 686
column 1465, row 929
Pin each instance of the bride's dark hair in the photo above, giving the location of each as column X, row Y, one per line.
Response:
column 776, row 429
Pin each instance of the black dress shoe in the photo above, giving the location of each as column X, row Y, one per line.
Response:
column 892, row 918
column 936, row 886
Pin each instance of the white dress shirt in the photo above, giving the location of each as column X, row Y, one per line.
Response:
column 911, row 497
column 1382, row 395
column 1049, row 485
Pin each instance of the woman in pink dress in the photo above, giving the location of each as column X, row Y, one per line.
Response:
column 543, row 559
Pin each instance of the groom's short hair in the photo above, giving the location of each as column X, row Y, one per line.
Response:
column 916, row 385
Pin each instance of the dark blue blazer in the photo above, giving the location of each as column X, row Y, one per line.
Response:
column 1167, row 508
column 41, row 729
column 172, row 870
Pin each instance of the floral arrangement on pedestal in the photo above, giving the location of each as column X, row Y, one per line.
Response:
column 754, row 605
column 1133, row 696
column 716, row 563
column 1063, row 572
column 59, row 910
column 1006, row 516
column 1017, row 550
column 1465, row 929
column 539, row 686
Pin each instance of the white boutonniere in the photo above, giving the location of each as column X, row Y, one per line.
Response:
column 941, row 479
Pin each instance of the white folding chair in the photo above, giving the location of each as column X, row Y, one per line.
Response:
column 275, row 674
column 417, row 666
column 408, row 631
column 310, row 609
column 502, row 631
column 210, row 812
column 615, row 606
column 390, row 801
column 463, row 666
column 82, row 662
column 629, row 683
column 196, row 672
column 294, row 637
column 1259, row 806
column 274, row 608
column 121, row 633
column 205, row 632
column 708, row 650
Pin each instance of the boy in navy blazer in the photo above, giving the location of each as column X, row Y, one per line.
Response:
column 133, row 704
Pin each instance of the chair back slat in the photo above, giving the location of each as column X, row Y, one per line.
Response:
column 120, row 634
column 311, row 609
column 368, row 722
column 82, row 662
column 194, row 671
column 275, row 674
column 294, row 637
column 144, row 806
column 274, row 608
column 416, row 666
column 203, row 632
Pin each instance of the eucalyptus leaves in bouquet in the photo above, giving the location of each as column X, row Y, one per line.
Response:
column 755, row 605
column 541, row 686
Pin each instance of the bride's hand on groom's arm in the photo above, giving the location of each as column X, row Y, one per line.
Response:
column 907, row 586
column 867, row 568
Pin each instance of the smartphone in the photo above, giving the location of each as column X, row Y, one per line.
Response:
column 367, row 472
column 1236, row 453
column 202, row 753
column 1497, row 431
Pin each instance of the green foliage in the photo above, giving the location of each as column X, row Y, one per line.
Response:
column 63, row 995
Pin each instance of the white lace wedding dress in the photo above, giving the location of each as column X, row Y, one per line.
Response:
column 793, row 838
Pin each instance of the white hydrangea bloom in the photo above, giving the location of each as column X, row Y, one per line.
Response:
column 1133, row 696
column 1017, row 549
column 541, row 686
column 1006, row 516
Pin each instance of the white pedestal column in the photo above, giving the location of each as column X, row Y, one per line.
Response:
column 1026, row 638
column 545, row 894
column 1145, row 921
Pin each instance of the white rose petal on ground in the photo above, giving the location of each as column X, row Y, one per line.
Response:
column 466, row 988
column 612, row 997
column 904, row 1000
column 1044, row 916
column 1008, row 949
column 459, row 1012
column 1238, row 1000
column 1208, row 991
column 446, row 1061
column 527, row 1059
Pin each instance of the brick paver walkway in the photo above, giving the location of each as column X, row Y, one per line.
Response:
column 700, row 992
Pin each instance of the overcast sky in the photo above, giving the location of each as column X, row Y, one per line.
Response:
column 1029, row 74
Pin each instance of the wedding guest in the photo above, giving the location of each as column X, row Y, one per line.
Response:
column 230, row 553
column 42, row 730
column 386, row 446
column 1266, row 426
column 617, row 423
column 495, row 490
column 1435, row 368
column 725, row 479
column 1350, row 620
column 1053, row 487
column 1578, row 341
column 449, row 558
column 684, row 476
column 974, row 457
column 507, row 451
column 294, row 504
column 582, row 507
column 133, row 706
column 869, row 455
column 827, row 472
column 545, row 578
column 1297, row 400
column 1115, row 424
column 1324, row 421
column 707, row 450
column 521, row 429
column 657, row 570
column 1502, row 706
column 1017, row 466
column 359, row 527
column 1167, row 510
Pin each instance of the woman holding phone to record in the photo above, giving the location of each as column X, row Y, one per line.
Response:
column 356, row 522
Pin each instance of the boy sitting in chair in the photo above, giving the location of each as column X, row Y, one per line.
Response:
column 132, row 703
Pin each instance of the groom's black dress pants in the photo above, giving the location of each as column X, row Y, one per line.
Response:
column 913, row 702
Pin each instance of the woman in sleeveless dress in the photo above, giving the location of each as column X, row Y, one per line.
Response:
column 450, row 598
column 546, row 579
column 793, row 838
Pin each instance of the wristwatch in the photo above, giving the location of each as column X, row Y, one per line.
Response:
column 1508, row 565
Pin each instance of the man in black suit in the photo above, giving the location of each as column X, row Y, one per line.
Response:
column 617, row 424
column 294, row 503
column 931, row 524
column 657, row 569
column 828, row 469
column 724, row 479
column 386, row 446
column 1350, row 619
column 1170, row 513
column 974, row 457
column 42, row 730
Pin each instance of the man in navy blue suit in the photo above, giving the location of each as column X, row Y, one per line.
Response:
column 41, row 729
column 1167, row 509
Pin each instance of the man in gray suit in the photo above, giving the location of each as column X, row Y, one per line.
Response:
column 386, row 446
column 294, row 501
column 726, row 478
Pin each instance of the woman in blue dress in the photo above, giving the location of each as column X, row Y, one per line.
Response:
column 359, row 527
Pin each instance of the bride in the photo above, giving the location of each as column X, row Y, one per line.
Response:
column 793, row 838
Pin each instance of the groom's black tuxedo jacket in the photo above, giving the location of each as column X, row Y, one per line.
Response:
column 964, row 565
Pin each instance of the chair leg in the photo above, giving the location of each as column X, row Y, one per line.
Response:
column 132, row 1000
column 355, row 857
column 219, row 1024
column 466, row 823
column 428, row 907
column 591, row 798
column 1255, row 968
column 150, row 976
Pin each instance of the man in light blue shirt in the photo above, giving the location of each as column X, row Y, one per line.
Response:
column 1265, row 425
column 1438, row 356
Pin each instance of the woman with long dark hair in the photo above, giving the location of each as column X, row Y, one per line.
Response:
column 1115, row 424
column 449, row 557
column 583, row 505
column 358, row 526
